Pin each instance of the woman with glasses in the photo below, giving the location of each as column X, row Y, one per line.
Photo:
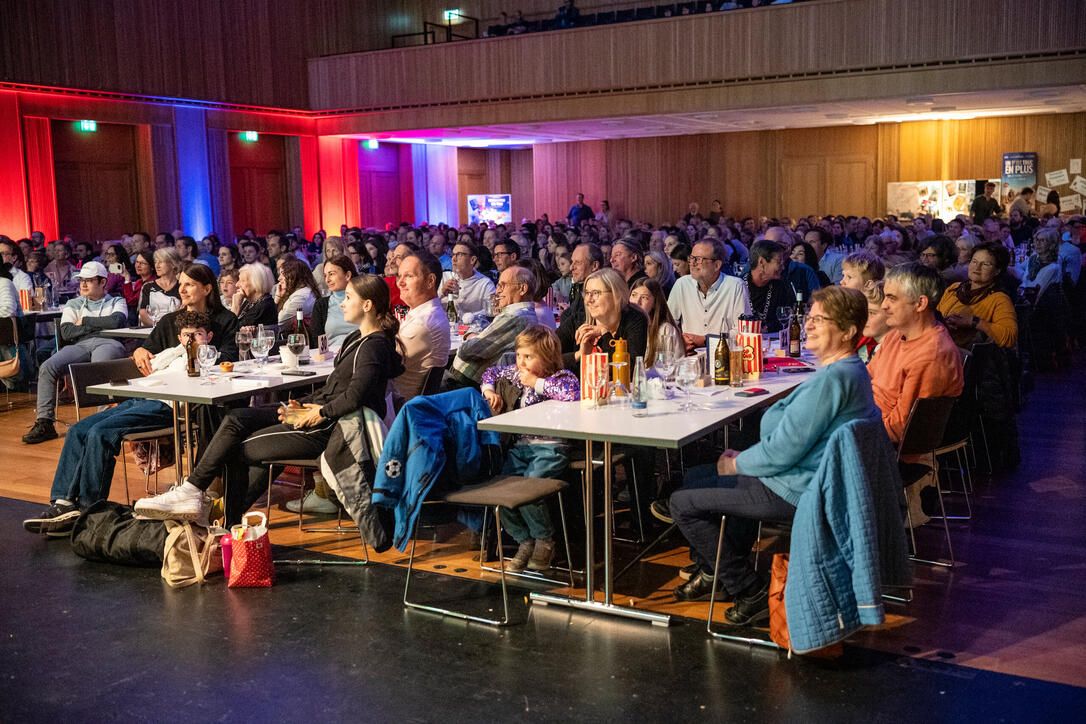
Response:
column 608, row 316
column 766, row 481
column 977, row 306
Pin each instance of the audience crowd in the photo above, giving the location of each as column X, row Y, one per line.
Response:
column 892, row 306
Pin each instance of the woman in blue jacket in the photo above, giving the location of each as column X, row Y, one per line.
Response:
column 765, row 482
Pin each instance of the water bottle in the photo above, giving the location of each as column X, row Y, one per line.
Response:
column 639, row 399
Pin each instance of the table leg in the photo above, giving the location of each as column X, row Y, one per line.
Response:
column 188, row 437
column 177, row 445
column 590, row 603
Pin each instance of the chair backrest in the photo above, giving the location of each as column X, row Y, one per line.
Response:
column 375, row 431
column 9, row 331
column 87, row 374
column 926, row 424
column 432, row 384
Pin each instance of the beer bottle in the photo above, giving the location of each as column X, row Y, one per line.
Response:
column 722, row 360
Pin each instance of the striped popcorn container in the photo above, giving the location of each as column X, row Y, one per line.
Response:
column 749, row 338
column 594, row 379
column 26, row 300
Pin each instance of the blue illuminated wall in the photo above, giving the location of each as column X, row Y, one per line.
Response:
column 193, row 171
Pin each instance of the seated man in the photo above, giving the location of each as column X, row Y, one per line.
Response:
column 516, row 289
column 465, row 286
column 81, row 325
column 85, row 469
column 766, row 289
column 707, row 301
column 424, row 331
column 917, row 358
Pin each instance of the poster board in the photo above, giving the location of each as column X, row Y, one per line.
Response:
column 1019, row 171
column 944, row 199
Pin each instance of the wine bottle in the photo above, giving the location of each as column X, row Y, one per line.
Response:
column 722, row 360
column 795, row 348
column 301, row 328
column 191, row 351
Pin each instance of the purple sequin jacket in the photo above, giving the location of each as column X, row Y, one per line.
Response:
column 563, row 385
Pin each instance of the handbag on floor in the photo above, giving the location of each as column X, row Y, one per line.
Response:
column 191, row 553
column 778, row 618
column 109, row 532
column 250, row 557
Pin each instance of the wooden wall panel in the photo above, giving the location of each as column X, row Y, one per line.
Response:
column 687, row 50
column 793, row 172
column 258, row 182
column 522, row 183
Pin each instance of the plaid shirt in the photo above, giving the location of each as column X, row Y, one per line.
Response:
column 486, row 348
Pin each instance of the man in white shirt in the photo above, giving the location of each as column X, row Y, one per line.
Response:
column 424, row 332
column 707, row 300
column 471, row 287
column 81, row 325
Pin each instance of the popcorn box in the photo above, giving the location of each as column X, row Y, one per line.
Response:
column 594, row 379
column 25, row 300
column 749, row 339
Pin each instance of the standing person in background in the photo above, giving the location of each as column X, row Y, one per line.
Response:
column 295, row 292
column 472, row 288
column 580, row 211
column 81, row 325
column 985, row 207
column 327, row 312
column 1024, row 203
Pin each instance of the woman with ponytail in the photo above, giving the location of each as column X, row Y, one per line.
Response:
column 248, row 436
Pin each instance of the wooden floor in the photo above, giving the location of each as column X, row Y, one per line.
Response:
column 1013, row 604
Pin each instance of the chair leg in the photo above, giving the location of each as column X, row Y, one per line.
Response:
column 267, row 503
column 758, row 547
column 565, row 538
column 712, row 602
column 124, row 468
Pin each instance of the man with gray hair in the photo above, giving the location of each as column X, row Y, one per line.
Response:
column 707, row 301
column 917, row 357
column 516, row 290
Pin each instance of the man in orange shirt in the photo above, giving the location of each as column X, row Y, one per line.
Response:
column 917, row 357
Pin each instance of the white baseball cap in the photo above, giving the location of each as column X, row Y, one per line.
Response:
column 92, row 269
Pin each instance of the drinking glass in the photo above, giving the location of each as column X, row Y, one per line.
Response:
column 665, row 366
column 689, row 372
column 245, row 341
column 617, row 392
column 261, row 345
column 207, row 356
column 784, row 316
column 296, row 343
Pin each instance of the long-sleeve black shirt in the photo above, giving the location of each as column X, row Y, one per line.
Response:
column 224, row 330
column 633, row 326
column 360, row 378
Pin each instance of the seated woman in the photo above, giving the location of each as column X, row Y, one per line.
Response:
column 328, row 311
column 252, row 302
column 663, row 334
column 658, row 266
column 161, row 293
column 229, row 258
column 766, row 481
column 296, row 291
column 537, row 376
column 977, row 305
column 143, row 263
column 115, row 258
column 360, row 258
column 608, row 316
column 251, row 435
column 1042, row 268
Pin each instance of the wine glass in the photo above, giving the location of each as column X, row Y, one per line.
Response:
column 207, row 356
column 689, row 372
column 296, row 343
column 618, row 392
column 245, row 341
column 784, row 316
column 665, row 365
column 261, row 345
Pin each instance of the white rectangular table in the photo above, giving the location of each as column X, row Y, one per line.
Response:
column 661, row 426
column 180, row 390
column 128, row 332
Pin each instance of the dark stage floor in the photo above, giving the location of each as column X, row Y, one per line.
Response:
column 89, row 642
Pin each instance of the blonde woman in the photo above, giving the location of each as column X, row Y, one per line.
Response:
column 162, row 293
column 608, row 316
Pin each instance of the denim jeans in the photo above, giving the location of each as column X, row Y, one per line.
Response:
column 696, row 510
column 89, row 456
column 90, row 349
column 533, row 520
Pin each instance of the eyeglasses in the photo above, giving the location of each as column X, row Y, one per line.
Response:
column 696, row 260
column 981, row 264
column 926, row 255
column 818, row 319
column 457, row 254
column 594, row 294
column 503, row 253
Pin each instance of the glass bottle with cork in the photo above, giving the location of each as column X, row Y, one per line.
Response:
column 795, row 329
column 722, row 373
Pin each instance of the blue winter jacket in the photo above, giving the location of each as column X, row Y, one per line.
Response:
column 413, row 456
column 848, row 539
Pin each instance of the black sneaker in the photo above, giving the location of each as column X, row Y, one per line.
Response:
column 751, row 607
column 43, row 430
column 699, row 588
column 688, row 572
column 57, row 520
column 661, row 511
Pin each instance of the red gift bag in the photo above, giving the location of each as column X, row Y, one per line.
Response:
column 251, row 559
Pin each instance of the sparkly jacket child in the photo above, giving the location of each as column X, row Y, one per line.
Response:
column 539, row 375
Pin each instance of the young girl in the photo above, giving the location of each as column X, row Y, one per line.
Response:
column 538, row 375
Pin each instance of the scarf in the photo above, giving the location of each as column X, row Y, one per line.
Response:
column 969, row 296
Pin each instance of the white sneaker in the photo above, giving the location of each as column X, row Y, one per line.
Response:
column 312, row 503
column 181, row 502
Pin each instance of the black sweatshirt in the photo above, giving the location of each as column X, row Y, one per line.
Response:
column 363, row 368
column 224, row 330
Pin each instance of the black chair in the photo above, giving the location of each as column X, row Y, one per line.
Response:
column 9, row 336
column 924, row 430
column 88, row 374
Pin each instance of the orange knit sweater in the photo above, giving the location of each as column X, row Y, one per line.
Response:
column 928, row 366
column 997, row 309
